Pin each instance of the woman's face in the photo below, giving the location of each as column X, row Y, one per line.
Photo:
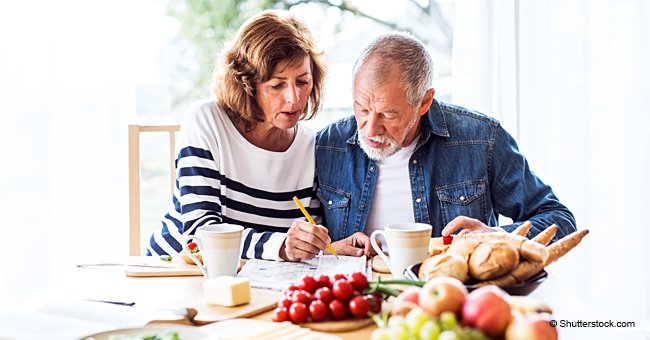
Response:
column 284, row 97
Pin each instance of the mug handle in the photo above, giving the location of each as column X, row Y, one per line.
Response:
column 189, row 253
column 373, row 242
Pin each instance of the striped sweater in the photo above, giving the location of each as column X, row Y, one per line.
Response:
column 222, row 178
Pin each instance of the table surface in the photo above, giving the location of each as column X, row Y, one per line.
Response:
column 111, row 283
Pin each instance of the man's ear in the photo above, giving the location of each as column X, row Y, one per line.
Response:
column 427, row 99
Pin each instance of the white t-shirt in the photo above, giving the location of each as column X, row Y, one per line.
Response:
column 392, row 201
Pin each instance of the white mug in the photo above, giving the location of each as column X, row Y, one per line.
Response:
column 220, row 248
column 408, row 243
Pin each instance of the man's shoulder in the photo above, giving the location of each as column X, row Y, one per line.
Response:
column 337, row 133
column 457, row 114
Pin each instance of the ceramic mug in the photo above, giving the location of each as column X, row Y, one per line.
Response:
column 407, row 244
column 220, row 248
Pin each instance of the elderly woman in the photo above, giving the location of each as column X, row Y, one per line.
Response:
column 242, row 158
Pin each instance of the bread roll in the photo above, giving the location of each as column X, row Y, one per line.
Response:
column 462, row 248
column 492, row 259
column 443, row 265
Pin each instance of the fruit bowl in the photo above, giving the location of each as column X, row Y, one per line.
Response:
column 524, row 288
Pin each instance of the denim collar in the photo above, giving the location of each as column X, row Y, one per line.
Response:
column 433, row 122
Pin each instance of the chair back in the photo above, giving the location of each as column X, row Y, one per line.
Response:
column 135, row 243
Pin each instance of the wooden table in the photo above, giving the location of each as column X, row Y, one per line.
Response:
column 111, row 283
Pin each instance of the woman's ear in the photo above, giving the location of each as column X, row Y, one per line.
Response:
column 427, row 99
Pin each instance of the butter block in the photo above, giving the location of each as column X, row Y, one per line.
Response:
column 227, row 291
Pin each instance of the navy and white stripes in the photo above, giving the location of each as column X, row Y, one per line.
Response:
column 222, row 178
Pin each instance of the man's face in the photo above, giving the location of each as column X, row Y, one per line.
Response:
column 385, row 118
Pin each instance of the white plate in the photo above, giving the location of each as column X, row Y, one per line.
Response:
column 184, row 332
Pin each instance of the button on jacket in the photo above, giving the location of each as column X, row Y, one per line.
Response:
column 464, row 163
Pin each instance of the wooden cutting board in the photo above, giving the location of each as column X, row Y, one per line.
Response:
column 338, row 326
column 177, row 270
column 262, row 300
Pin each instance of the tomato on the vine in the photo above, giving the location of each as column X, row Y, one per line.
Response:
column 324, row 294
column 298, row 313
column 343, row 289
column 374, row 300
column 324, row 281
column 318, row 310
column 338, row 310
column 359, row 281
column 281, row 314
column 285, row 302
column 309, row 284
column 359, row 306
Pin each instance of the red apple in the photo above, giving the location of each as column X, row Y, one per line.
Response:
column 486, row 309
column 531, row 327
column 406, row 301
column 442, row 294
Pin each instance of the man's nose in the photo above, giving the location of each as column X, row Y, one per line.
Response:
column 374, row 125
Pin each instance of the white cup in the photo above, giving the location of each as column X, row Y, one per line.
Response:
column 220, row 248
column 407, row 243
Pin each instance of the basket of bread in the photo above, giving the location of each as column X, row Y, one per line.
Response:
column 507, row 260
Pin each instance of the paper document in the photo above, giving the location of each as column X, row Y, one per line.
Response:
column 279, row 275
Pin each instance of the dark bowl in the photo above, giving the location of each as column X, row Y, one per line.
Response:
column 524, row 288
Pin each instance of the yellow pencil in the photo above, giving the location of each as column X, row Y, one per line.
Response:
column 311, row 220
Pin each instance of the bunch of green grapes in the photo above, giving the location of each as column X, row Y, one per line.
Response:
column 418, row 324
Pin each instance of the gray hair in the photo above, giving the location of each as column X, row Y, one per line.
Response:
column 408, row 54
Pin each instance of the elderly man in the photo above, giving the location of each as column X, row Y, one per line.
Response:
column 405, row 157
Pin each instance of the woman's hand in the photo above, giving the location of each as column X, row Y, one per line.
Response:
column 304, row 241
column 355, row 245
column 468, row 225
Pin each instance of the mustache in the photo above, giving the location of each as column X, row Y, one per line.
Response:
column 383, row 139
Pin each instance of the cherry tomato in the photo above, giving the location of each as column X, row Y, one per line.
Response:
column 359, row 281
column 309, row 284
column 298, row 313
column 374, row 300
column 343, row 290
column 302, row 296
column 192, row 246
column 336, row 277
column 281, row 314
column 324, row 281
column 285, row 302
column 318, row 310
column 338, row 310
column 359, row 306
column 447, row 239
column 324, row 294
column 291, row 289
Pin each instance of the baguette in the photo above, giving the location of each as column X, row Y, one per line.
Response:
column 524, row 271
column 546, row 235
column 523, row 229
column 527, row 249
column 564, row 245
column 492, row 259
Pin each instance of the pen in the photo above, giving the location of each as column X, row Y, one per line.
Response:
column 311, row 220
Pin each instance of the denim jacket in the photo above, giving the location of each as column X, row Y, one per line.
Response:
column 464, row 163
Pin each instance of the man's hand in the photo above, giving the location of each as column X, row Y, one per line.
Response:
column 355, row 245
column 304, row 241
column 468, row 225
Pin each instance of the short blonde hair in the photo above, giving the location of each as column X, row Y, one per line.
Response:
column 261, row 43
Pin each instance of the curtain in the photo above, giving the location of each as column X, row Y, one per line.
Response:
column 570, row 80
column 66, row 91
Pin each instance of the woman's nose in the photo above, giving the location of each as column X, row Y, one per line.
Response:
column 291, row 94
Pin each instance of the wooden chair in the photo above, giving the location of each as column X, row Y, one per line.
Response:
column 135, row 244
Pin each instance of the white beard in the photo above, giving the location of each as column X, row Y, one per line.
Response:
column 392, row 146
